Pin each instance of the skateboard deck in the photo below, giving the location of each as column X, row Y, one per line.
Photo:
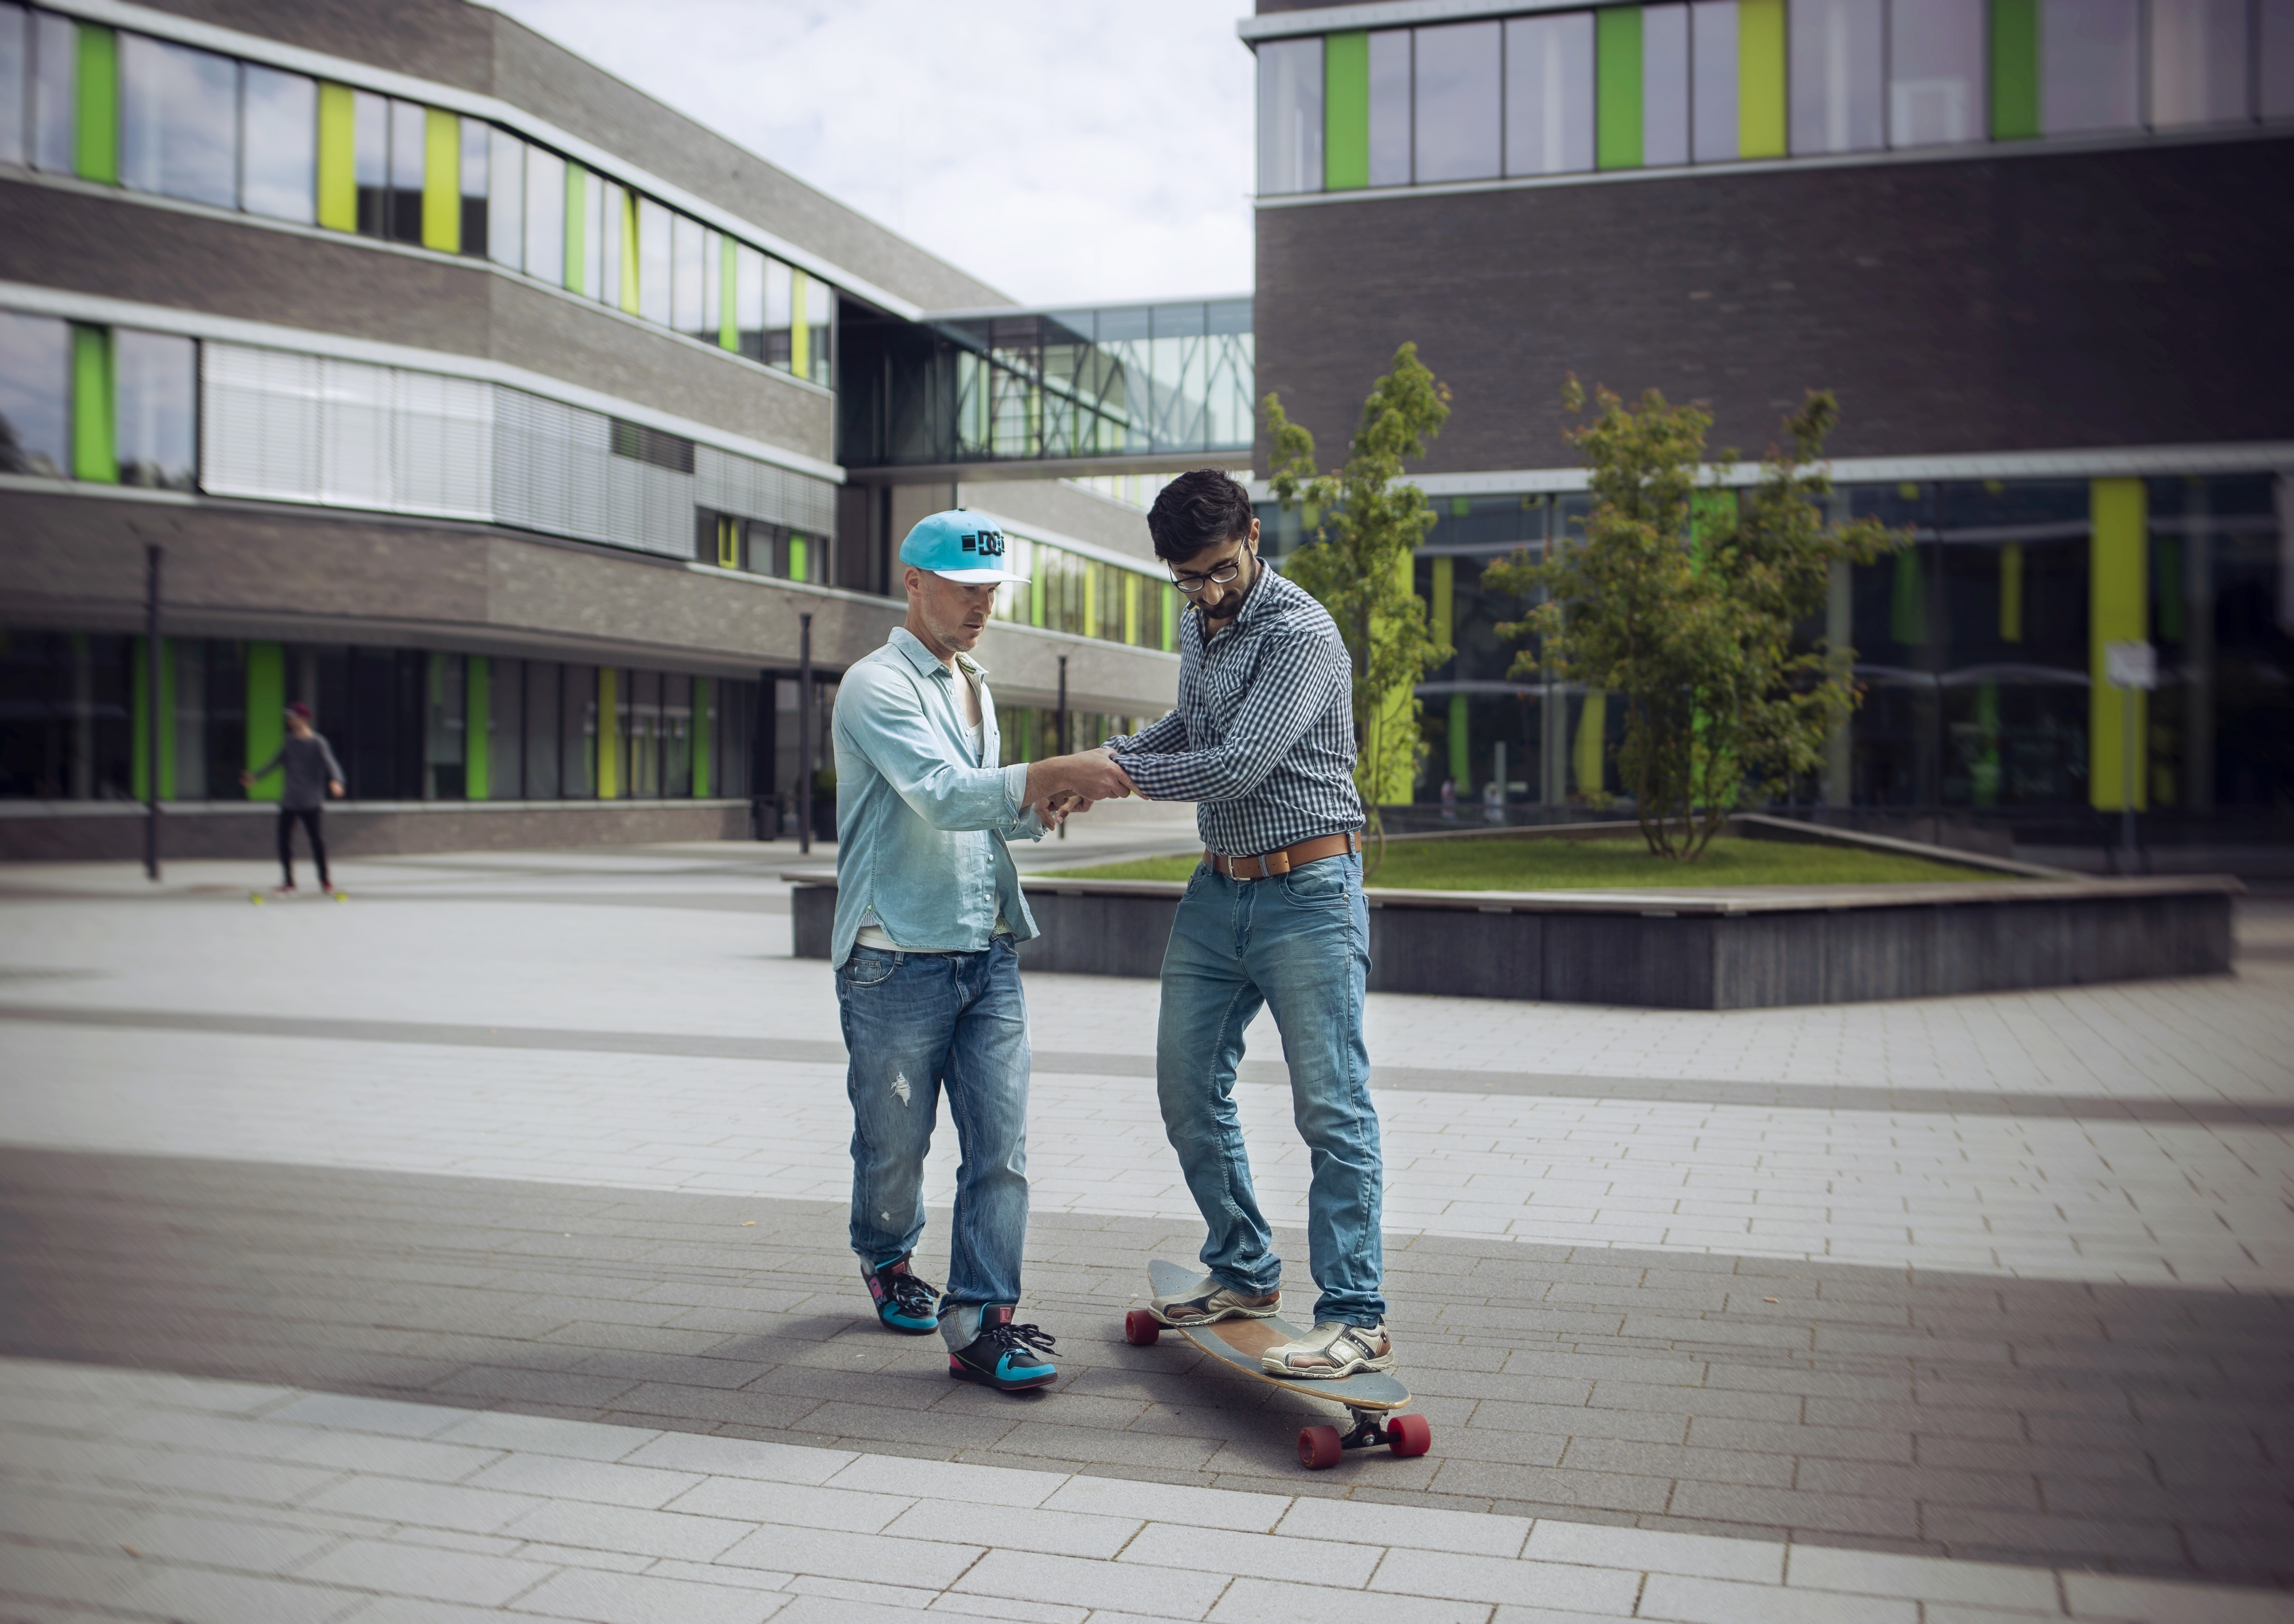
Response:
column 1238, row 1343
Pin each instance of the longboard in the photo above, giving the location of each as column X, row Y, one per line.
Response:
column 1239, row 1345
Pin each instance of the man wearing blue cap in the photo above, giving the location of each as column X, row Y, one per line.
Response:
column 929, row 919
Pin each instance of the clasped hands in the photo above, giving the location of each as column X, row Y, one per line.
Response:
column 1064, row 785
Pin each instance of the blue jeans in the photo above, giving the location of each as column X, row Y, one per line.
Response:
column 1300, row 944
column 917, row 1025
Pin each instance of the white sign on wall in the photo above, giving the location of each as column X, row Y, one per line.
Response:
column 2130, row 665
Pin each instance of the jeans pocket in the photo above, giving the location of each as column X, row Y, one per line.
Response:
column 1319, row 883
column 868, row 967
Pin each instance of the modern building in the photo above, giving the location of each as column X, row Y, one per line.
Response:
column 2040, row 250
column 529, row 431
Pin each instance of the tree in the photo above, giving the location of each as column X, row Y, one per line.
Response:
column 1681, row 597
column 1365, row 526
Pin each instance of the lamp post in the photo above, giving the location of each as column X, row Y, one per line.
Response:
column 2131, row 668
column 154, row 649
column 804, row 734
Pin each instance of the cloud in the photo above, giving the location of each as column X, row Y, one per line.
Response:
column 1064, row 152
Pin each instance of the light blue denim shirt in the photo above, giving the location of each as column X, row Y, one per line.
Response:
column 920, row 825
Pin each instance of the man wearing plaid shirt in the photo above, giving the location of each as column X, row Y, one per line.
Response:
column 1264, row 739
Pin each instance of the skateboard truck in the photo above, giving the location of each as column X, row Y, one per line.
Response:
column 1404, row 1434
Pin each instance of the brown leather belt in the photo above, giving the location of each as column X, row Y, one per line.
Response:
column 1282, row 862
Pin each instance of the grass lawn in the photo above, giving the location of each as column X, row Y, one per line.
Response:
column 1530, row 865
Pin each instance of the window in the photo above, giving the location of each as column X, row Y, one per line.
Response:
column 35, row 395
column 279, row 156
column 370, row 161
column 55, row 75
column 2087, row 53
column 1664, row 84
column 156, row 378
column 1836, row 57
column 543, row 730
column 1549, row 111
column 1289, row 117
column 545, row 216
column 653, row 262
column 2277, row 75
column 15, row 61
column 178, row 121
column 1935, row 73
column 407, row 155
column 749, row 300
column 2198, row 63
column 476, row 173
column 1712, row 69
column 591, row 233
column 687, row 239
column 779, row 298
column 1457, row 101
column 614, row 247
column 1390, row 109
column 505, row 198
column 710, row 326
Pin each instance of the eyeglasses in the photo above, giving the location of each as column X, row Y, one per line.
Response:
column 1222, row 574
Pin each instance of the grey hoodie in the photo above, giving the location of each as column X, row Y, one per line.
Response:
column 310, row 765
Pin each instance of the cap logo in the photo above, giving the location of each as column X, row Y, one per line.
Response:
column 987, row 544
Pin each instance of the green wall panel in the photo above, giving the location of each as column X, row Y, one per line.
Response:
column 1760, row 128
column 139, row 727
column 97, row 136
column 442, row 182
column 1461, row 755
column 93, row 454
column 2119, row 611
column 477, row 731
column 729, row 301
column 266, row 715
column 2015, row 69
column 338, row 159
column 703, row 734
column 1345, row 111
column 577, row 229
column 1617, row 87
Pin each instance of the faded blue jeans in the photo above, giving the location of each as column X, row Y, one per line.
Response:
column 1299, row 944
column 916, row 1026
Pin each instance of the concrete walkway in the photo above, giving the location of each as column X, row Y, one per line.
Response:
column 474, row 1248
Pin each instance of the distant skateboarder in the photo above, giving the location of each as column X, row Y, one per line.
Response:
column 313, row 774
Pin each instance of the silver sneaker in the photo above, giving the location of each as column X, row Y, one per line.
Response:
column 1331, row 1350
column 1207, row 1301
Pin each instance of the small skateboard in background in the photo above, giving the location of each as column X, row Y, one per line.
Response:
column 1371, row 1397
column 259, row 897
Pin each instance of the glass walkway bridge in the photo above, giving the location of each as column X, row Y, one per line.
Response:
column 1110, row 389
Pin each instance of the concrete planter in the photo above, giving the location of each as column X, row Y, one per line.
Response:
column 1713, row 949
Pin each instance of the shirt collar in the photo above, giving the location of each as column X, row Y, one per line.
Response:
column 927, row 664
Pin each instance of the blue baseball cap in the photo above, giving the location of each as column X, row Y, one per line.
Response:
column 959, row 544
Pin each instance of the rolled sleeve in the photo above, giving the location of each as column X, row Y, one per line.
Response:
column 1273, row 717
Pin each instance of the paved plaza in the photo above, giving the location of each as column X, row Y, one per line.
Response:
column 474, row 1248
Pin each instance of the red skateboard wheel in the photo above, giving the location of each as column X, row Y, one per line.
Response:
column 1409, row 1436
column 1320, row 1447
column 1140, row 1328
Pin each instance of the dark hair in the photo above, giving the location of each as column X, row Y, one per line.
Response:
column 1196, row 512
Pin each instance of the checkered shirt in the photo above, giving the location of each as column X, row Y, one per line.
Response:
column 1264, row 736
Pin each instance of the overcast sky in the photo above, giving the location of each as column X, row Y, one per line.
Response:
column 1063, row 150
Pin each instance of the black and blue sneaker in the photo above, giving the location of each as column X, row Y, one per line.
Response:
column 1004, row 1356
column 904, row 1300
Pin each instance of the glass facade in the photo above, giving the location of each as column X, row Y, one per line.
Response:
column 1128, row 380
column 1718, row 81
column 406, row 724
column 1089, row 597
column 1978, row 647
column 179, row 122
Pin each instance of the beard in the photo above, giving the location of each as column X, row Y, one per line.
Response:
column 1231, row 606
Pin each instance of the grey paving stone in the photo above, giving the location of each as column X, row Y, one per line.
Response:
column 273, row 1275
